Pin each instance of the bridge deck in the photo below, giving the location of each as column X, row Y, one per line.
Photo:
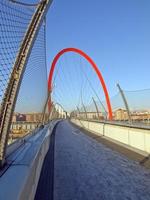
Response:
column 87, row 170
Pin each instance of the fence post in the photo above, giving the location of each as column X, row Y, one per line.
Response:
column 45, row 107
column 125, row 103
column 79, row 117
column 96, row 107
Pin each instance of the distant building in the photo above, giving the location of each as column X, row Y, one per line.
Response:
column 90, row 115
column 20, row 117
column 140, row 116
column 29, row 117
column 120, row 115
column 20, row 129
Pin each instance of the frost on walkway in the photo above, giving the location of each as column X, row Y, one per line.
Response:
column 87, row 170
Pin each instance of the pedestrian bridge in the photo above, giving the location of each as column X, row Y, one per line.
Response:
column 62, row 136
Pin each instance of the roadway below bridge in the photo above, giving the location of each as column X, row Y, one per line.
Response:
column 77, row 167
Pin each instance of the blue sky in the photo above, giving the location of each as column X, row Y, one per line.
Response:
column 115, row 33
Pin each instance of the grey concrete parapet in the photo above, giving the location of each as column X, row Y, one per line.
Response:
column 131, row 135
column 20, row 177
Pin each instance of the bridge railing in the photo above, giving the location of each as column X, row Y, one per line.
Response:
column 137, row 111
column 23, row 70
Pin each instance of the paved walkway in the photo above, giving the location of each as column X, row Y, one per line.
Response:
column 87, row 170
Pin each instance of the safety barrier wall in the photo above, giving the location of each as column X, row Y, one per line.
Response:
column 20, row 180
column 137, row 137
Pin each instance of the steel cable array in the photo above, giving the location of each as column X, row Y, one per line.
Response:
column 77, row 89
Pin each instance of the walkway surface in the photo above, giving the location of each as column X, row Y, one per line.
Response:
column 87, row 170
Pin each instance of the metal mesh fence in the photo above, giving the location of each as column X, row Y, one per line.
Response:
column 138, row 100
column 138, row 103
column 33, row 91
column 14, row 20
column 15, row 17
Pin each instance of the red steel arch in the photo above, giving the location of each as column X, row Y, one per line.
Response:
column 78, row 51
